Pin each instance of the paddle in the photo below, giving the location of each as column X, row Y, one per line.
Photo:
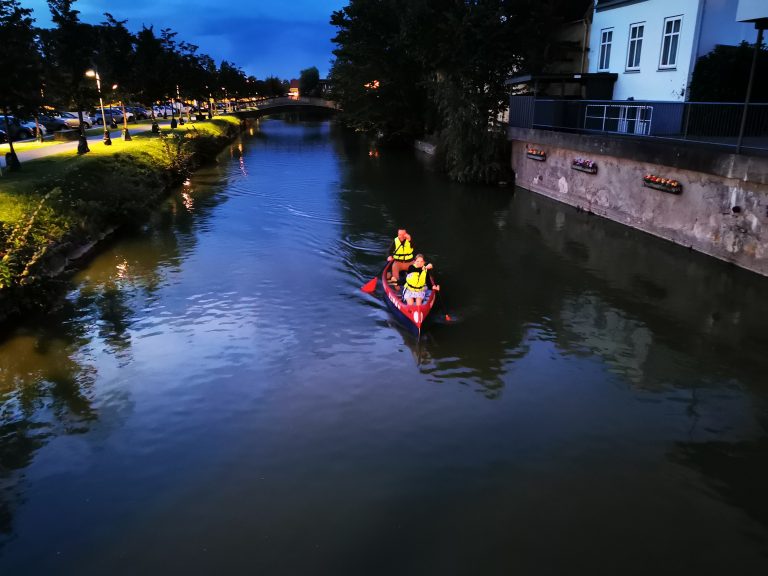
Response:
column 447, row 317
column 370, row 286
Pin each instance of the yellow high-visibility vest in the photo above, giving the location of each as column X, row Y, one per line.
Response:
column 403, row 250
column 417, row 281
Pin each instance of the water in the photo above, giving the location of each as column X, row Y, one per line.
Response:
column 216, row 395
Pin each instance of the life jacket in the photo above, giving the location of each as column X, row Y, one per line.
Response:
column 417, row 281
column 403, row 250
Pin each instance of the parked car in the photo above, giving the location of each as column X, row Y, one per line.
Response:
column 73, row 120
column 162, row 110
column 52, row 123
column 19, row 129
column 139, row 112
column 112, row 113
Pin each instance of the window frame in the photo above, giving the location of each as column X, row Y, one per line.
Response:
column 604, row 57
column 632, row 50
column 671, row 36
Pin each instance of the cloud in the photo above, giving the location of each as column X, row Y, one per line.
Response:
column 263, row 46
column 265, row 37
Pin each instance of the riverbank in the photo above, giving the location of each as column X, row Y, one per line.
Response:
column 57, row 208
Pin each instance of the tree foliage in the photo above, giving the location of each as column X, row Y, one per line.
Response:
column 309, row 80
column 405, row 68
column 20, row 66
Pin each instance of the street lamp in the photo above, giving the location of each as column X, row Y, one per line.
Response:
column 181, row 106
column 95, row 74
column 126, row 134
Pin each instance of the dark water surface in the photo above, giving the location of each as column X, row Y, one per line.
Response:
column 216, row 395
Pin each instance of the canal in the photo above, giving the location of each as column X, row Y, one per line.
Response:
column 215, row 395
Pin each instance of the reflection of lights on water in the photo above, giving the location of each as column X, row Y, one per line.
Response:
column 187, row 200
column 122, row 269
column 242, row 167
column 373, row 153
column 240, row 147
column 187, row 182
column 250, row 131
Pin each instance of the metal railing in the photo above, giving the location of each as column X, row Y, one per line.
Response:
column 275, row 101
column 712, row 123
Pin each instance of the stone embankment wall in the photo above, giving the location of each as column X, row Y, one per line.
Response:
column 722, row 209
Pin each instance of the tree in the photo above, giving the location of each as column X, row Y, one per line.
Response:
column 232, row 80
column 148, row 67
column 70, row 50
column 309, row 79
column 375, row 77
column 404, row 68
column 20, row 79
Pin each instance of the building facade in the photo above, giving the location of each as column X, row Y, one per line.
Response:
column 653, row 45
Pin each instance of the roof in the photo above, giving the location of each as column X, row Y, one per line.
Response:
column 576, row 10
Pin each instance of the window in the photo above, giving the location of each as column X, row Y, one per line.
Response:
column 606, row 39
column 670, row 41
column 635, row 46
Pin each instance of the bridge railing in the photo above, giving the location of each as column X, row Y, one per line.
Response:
column 273, row 101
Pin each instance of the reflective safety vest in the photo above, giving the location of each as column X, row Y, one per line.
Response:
column 417, row 281
column 403, row 251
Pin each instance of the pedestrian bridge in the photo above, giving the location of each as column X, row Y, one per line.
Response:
column 284, row 104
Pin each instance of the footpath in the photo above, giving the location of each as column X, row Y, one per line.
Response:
column 30, row 151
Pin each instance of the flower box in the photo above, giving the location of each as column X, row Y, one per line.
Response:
column 534, row 154
column 583, row 165
column 664, row 184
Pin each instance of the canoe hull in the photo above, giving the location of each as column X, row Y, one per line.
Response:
column 411, row 317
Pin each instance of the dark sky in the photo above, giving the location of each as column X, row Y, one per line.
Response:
column 263, row 37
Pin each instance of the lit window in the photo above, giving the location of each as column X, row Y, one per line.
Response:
column 670, row 41
column 635, row 46
column 606, row 39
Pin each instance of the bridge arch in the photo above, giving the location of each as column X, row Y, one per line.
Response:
column 285, row 104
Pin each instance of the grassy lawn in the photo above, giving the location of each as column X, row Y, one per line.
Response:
column 133, row 127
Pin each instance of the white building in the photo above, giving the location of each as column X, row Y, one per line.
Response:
column 653, row 45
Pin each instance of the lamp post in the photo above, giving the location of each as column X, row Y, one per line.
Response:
column 181, row 106
column 126, row 134
column 95, row 74
column 760, row 24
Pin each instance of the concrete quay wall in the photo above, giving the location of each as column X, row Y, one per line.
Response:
column 722, row 210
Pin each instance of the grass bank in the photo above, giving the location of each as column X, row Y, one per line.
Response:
column 55, row 206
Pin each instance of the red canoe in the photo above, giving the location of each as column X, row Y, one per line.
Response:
column 412, row 317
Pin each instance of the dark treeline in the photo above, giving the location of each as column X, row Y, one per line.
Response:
column 46, row 67
column 410, row 68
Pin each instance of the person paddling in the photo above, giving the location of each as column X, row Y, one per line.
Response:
column 400, row 254
column 416, row 281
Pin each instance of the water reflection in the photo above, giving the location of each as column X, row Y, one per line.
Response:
column 735, row 471
column 48, row 368
column 44, row 393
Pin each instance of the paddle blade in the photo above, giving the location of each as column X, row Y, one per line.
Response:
column 369, row 286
